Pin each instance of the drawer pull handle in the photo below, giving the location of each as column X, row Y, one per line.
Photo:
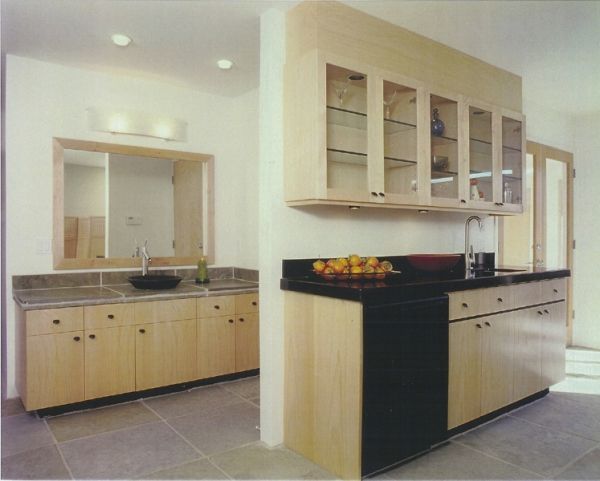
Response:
column 487, row 324
column 230, row 321
column 540, row 313
column 142, row 331
column 374, row 194
column 465, row 305
column 478, row 326
column 546, row 311
column 56, row 321
column 555, row 291
column 463, row 201
column 241, row 319
column 217, row 307
column 111, row 316
column 92, row 336
column 254, row 303
column 381, row 194
column 76, row 338
column 500, row 299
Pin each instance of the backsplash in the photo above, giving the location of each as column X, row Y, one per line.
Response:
column 106, row 278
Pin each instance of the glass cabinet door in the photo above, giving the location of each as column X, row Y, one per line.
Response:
column 347, row 165
column 512, row 161
column 481, row 164
column 444, row 148
column 400, row 138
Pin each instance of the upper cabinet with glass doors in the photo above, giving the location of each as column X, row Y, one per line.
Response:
column 364, row 136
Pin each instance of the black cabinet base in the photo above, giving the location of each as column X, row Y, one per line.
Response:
column 132, row 396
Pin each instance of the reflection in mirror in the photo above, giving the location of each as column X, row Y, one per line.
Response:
column 117, row 197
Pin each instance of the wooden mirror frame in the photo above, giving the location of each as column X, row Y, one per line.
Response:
column 58, row 241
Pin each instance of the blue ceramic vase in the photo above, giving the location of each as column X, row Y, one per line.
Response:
column 437, row 125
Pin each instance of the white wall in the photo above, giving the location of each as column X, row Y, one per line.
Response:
column 287, row 232
column 547, row 126
column 84, row 191
column 140, row 187
column 47, row 100
column 586, row 302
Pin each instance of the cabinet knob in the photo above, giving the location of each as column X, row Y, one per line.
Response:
column 111, row 316
column 76, row 338
column 478, row 326
column 254, row 303
column 546, row 311
column 56, row 321
column 487, row 324
column 465, row 305
column 374, row 194
column 241, row 319
column 540, row 313
column 381, row 194
column 230, row 321
column 217, row 307
column 555, row 291
column 463, row 201
column 92, row 336
column 142, row 331
column 500, row 299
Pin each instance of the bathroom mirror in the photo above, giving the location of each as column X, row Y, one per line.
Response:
column 110, row 198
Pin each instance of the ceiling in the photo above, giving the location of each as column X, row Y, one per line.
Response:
column 553, row 45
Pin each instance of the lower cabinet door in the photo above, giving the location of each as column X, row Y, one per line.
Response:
column 554, row 331
column 464, row 372
column 109, row 361
column 216, row 346
column 497, row 358
column 165, row 353
column 528, row 352
column 54, row 370
column 246, row 342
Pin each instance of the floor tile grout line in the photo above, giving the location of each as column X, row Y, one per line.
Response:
column 569, row 433
column 109, row 432
column 60, row 453
column 571, row 463
column 218, row 453
column 212, row 463
column 543, row 476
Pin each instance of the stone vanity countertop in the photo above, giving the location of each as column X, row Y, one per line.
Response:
column 29, row 299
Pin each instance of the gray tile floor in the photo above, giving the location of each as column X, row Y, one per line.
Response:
column 210, row 433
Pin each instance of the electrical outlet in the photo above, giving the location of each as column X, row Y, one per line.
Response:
column 42, row 246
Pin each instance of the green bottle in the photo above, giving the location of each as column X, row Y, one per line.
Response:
column 202, row 275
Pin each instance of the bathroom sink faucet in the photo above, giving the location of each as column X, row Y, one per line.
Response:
column 469, row 258
column 146, row 259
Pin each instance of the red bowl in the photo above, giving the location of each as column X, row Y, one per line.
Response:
column 433, row 262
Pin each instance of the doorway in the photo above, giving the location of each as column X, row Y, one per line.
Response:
column 543, row 235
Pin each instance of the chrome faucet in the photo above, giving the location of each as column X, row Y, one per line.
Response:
column 146, row 259
column 469, row 257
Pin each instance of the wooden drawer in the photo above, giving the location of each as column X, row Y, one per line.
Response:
column 215, row 306
column 554, row 290
column 52, row 321
column 246, row 303
column 162, row 311
column 477, row 302
column 108, row 315
column 527, row 294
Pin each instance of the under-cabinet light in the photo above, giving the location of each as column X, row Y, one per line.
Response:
column 136, row 123
column 478, row 175
column 442, row 180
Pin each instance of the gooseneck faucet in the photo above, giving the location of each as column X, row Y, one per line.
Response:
column 146, row 259
column 469, row 258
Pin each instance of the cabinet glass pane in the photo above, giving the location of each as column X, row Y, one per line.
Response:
column 511, row 161
column 400, row 138
column 444, row 148
column 346, row 129
column 480, row 154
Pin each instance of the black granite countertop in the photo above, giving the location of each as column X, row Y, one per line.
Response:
column 29, row 299
column 407, row 284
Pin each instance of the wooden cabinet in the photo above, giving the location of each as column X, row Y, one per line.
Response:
column 109, row 361
column 378, row 137
column 227, row 344
column 54, row 370
column 510, row 346
column 53, row 321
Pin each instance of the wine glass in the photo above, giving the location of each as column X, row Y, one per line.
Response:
column 388, row 104
column 340, row 92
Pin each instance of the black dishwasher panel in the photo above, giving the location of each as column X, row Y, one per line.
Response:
column 405, row 380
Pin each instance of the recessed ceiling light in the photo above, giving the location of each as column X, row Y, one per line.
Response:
column 225, row 64
column 121, row 40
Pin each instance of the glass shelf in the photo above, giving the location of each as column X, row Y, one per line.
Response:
column 442, row 173
column 346, row 118
column 392, row 162
column 346, row 157
column 394, row 126
column 442, row 140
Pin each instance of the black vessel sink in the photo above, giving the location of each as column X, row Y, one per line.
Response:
column 154, row 281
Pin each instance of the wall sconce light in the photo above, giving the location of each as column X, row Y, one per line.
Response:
column 136, row 123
